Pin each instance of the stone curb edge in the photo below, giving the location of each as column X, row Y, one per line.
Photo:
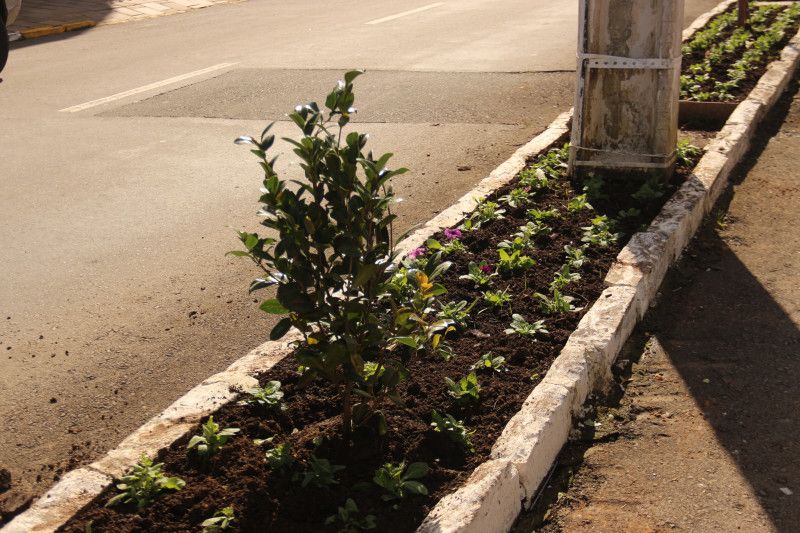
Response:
column 493, row 496
column 43, row 31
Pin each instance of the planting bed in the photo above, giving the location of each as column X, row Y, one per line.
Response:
column 723, row 62
column 264, row 500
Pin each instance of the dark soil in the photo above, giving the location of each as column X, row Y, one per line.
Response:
column 266, row 501
column 720, row 69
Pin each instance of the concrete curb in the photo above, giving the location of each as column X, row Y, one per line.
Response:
column 43, row 31
column 494, row 494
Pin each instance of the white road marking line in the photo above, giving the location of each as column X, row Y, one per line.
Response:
column 144, row 88
column 406, row 13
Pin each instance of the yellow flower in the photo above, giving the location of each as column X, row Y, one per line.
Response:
column 424, row 284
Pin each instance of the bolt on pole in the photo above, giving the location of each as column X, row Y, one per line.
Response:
column 626, row 106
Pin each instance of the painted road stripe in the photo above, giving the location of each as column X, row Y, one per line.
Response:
column 144, row 88
column 406, row 13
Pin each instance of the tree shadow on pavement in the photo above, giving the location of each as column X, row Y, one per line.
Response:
column 721, row 323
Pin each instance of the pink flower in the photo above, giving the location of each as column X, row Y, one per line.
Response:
column 486, row 269
column 416, row 252
column 451, row 234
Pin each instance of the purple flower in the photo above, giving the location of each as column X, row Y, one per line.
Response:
column 416, row 252
column 486, row 269
column 451, row 234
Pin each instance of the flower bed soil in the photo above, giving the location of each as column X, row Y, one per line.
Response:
column 266, row 501
column 719, row 70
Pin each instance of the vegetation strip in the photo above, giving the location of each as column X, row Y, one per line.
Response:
column 725, row 146
column 722, row 60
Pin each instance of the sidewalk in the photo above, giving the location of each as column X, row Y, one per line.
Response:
column 705, row 436
column 39, row 15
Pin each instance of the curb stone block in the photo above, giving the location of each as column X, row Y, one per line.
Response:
column 609, row 322
column 41, row 31
column 156, row 434
column 710, row 172
column 681, row 216
column 580, row 370
column 264, row 356
column 83, row 24
column 533, row 437
column 201, row 401
column 628, row 275
column 489, row 502
column 746, row 113
column 236, row 381
column 64, row 499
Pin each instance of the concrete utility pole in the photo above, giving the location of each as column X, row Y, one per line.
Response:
column 744, row 11
column 626, row 108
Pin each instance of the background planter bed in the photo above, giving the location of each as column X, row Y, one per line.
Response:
column 267, row 501
column 723, row 62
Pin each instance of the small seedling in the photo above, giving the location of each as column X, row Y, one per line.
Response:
column 686, row 153
column 280, row 457
column 518, row 197
column 221, row 520
column 454, row 429
column 485, row 211
column 488, row 361
column 457, row 313
column 535, row 178
column 269, row 396
column 144, row 484
column 513, row 261
column 481, row 275
column 543, row 215
column 576, row 257
column 520, row 326
column 497, row 298
column 563, row 278
column 399, row 481
column 466, row 390
column 599, row 233
column 452, row 246
column 212, row 440
column 349, row 520
column 557, row 304
column 578, row 203
column 321, row 473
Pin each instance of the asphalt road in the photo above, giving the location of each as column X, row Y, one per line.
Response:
column 120, row 188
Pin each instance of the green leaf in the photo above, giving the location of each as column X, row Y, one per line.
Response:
column 408, row 341
column 416, row 471
column 294, row 300
column 280, row 329
column 415, row 487
column 352, row 75
column 273, row 307
column 366, row 273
